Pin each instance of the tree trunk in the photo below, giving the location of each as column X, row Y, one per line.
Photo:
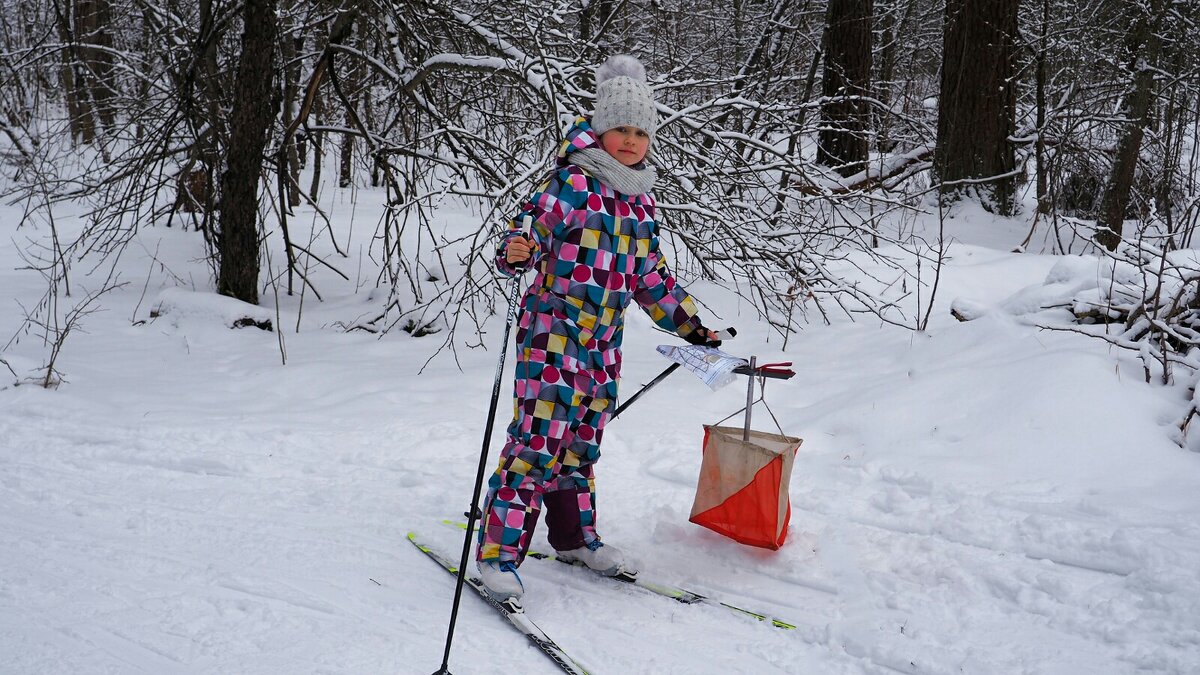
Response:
column 346, row 165
column 369, row 114
column 79, row 110
column 351, row 92
column 883, row 85
column 842, row 142
column 92, row 22
column 1172, row 129
column 592, row 18
column 977, row 103
column 249, row 126
column 318, row 152
column 1147, row 44
column 346, row 158
column 1040, row 74
column 289, row 58
column 300, row 141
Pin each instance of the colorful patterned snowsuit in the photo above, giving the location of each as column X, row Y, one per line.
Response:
column 596, row 251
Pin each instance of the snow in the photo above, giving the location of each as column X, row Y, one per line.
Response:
column 980, row 497
column 183, row 305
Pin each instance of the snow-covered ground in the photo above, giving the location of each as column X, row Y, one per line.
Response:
column 980, row 498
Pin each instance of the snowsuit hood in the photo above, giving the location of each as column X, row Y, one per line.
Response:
column 581, row 135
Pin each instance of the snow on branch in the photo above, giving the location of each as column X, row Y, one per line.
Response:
column 876, row 174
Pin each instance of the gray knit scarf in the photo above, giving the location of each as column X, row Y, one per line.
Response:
column 614, row 174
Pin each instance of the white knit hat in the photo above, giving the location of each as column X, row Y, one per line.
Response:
column 623, row 98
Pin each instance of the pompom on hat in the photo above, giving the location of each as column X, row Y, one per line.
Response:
column 623, row 98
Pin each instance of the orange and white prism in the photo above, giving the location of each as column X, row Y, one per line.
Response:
column 743, row 488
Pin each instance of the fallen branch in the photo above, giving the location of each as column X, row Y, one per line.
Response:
column 870, row 177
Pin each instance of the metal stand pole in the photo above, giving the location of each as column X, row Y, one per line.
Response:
column 749, row 402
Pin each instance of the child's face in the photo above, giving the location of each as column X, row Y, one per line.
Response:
column 627, row 144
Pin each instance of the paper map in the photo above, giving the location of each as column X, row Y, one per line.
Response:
column 711, row 365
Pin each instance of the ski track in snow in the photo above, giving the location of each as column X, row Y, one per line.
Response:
column 185, row 504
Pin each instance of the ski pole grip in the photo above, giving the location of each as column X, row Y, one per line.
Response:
column 720, row 335
column 526, row 232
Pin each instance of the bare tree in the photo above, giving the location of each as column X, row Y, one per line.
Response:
column 79, row 109
column 461, row 102
column 977, row 102
column 93, row 26
column 843, row 140
column 1145, row 47
column 893, row 19
column 253, row 111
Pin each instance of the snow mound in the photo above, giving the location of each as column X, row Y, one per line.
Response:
column 180, row 303
column 1081, row 285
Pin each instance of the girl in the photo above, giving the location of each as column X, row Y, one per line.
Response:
column 594, row 249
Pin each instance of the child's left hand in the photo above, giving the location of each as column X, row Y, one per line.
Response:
column 704, row 337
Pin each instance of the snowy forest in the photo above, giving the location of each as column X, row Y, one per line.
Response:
column 878, row 190
column 792, row 130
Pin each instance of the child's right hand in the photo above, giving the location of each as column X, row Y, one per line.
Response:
column 518, row 250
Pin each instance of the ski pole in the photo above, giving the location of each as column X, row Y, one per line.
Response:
column 731, row 332
column 473, row 514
